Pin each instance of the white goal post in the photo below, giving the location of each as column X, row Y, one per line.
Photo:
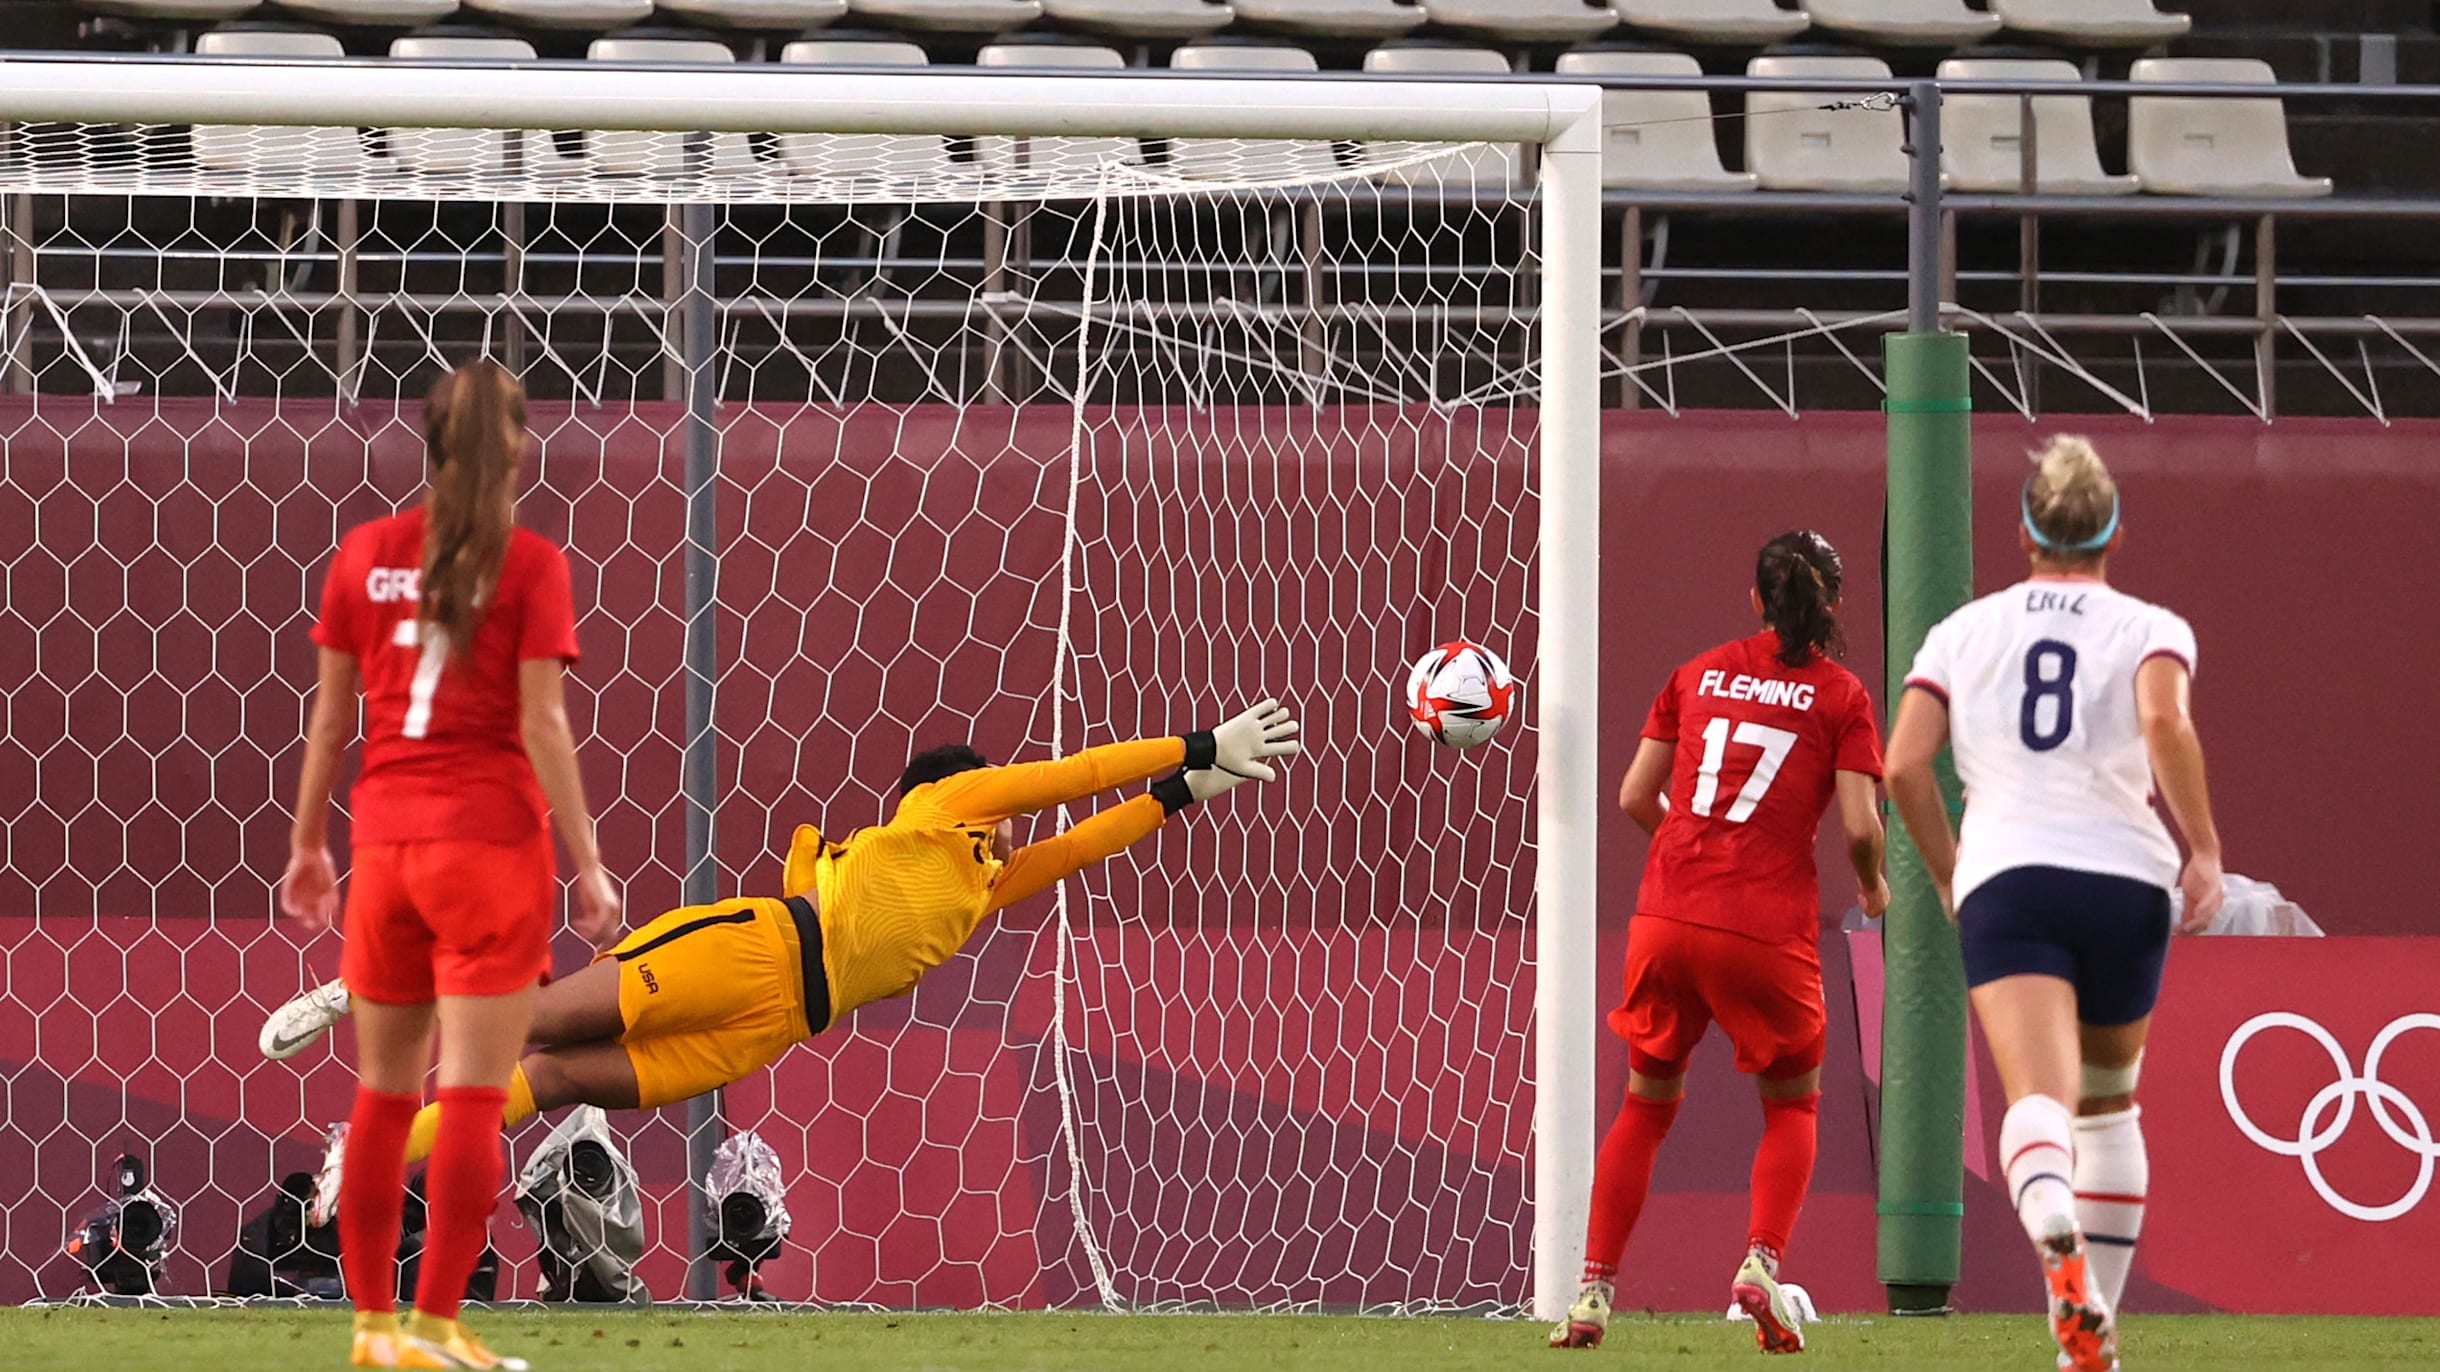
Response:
column 1562, row 203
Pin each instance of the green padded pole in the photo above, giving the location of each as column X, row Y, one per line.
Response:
column 1930, row 571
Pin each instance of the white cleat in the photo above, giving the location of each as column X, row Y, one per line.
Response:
column 1587, row 1320
column 296, row 1025
column 325, row 1202
column 1777, row 1326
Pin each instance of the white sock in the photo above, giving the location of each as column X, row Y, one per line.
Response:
column 2037, row 1137
column 2112, row 1175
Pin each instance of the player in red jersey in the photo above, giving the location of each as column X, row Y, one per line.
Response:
column 449, row 912
column 1744, row 750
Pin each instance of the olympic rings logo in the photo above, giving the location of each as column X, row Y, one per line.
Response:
column 2332, row 1109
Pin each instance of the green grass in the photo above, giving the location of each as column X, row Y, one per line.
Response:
column 267, row 1340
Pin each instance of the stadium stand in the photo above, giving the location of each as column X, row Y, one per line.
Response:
column 1793, row 144
column 2213, row 146
column 372, row 14
column 1656, row 140
column 583, row 16
column 1904, row 23
column 1983, row 136
column 645, row 154
column 949, row 16
column 176, row 13
column 1738, row 23
column 2092, row 23
column 444, row 151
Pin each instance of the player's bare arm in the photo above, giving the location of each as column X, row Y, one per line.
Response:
column 1914, row 788
column 2163, row 704
column 1859, row 813
column 1642, row 792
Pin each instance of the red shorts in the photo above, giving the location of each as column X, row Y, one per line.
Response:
column 449, row 919
column 1767, row 997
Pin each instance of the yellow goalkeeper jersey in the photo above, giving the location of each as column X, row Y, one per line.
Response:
column 899, row 899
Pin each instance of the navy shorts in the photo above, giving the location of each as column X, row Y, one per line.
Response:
column 2107, row 936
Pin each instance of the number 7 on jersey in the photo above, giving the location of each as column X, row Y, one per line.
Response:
column 1775, row 744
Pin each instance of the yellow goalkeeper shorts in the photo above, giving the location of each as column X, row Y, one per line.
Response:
column 709, row 994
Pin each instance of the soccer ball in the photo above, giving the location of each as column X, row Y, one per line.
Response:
column 1460, row 693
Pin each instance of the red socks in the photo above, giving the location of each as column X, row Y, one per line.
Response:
column 461, row 1186
column 372, row 1188
column 1622, row 1177
column 1783, row 1168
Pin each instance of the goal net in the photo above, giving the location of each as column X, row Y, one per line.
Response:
column 860, row 442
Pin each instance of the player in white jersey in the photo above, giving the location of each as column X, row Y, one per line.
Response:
column 2065, row 701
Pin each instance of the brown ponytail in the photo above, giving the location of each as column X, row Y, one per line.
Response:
column 474, row 439
column 1798, row 576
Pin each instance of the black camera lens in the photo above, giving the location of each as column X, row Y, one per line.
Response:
column 742, row 1217
column 589, row 1163
column 139, row 1227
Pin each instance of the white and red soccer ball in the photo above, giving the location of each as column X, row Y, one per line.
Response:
column 1460, row 694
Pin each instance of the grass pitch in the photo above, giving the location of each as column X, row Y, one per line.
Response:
column 568, row 1341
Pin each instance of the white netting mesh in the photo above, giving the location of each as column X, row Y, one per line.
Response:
column 1029, row 470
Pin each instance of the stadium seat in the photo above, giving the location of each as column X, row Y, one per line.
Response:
column 2213, row 145
column 852, row 155
column 1982, row 138
column 1372, row 19
column 174, row 12
column 2092, row 23
column 628, row 153
column 250, row 147
column 1794, row 145
column 1656, row 140
column 1228, row 157
column 1143, row 18
column 954, row 16
column 372, row 14
column 1739, row 22
column 1492, row 164
column 448, row 152
column 1905, row 23
column 1525, row 21
column 1055, row 155
column 588, row 16
column 790, row 16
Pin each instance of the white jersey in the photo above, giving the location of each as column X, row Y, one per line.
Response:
column 2040, row 685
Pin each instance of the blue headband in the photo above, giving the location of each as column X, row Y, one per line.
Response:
column 2048, row 544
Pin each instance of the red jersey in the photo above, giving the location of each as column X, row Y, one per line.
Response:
column 444, row 750
column 1758, row 747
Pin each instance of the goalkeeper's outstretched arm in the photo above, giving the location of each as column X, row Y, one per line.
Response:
column 1237, row 748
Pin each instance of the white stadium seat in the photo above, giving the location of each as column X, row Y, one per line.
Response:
column 954, row 16
column 1746, row 23
column 1525, row 21
column 1060, row 155
column 1982, row 142
column 2213, row 145
column 1794, row 145
column 586, row 16
column 625, row 153
column 1656, row 140
column 249, row 147
column 849, row 155
column 791, row 16
column 172, row 11
column 446, row 152
column 1905, row 23
column 1229, row 157
column 1334, row 18
column 1493, row 164
column 372, row 14
column 1143, row 18
column 2092, row 23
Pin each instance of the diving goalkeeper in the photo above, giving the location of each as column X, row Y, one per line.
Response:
column 704, row 995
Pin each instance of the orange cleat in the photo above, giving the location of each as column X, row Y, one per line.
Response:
column 2079, row 1317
